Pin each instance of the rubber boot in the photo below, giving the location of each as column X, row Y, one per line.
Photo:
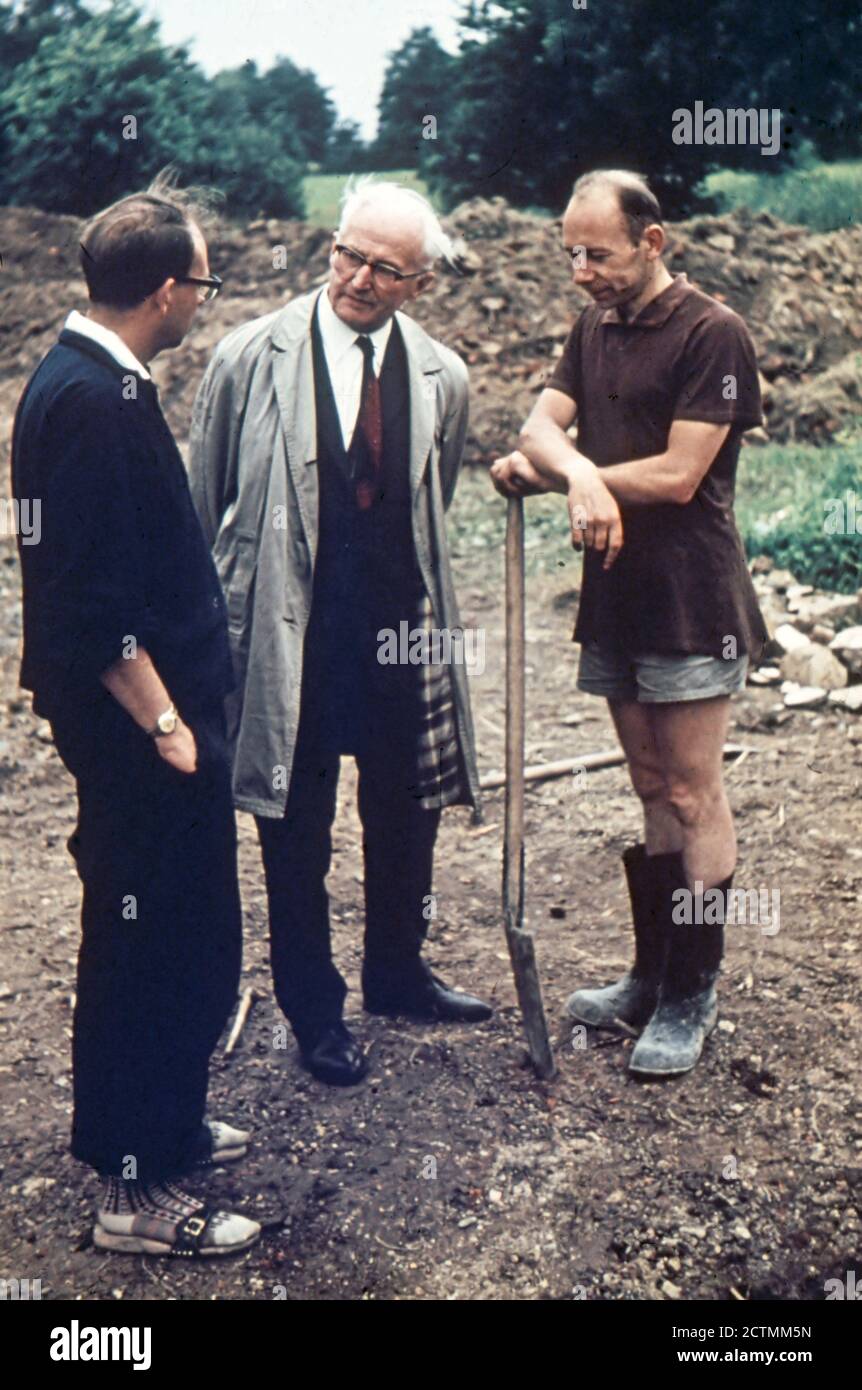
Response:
column 687, row 1009
column 632, row 1000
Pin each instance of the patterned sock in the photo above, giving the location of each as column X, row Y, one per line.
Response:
column 124, row 1197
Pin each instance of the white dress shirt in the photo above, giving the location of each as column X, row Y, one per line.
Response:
column 345, row 361
column 109, row 340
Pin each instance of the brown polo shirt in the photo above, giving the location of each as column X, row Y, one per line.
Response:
column 681, row 582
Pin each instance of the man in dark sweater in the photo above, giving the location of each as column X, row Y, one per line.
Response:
column 126, row 653
column 662, row 382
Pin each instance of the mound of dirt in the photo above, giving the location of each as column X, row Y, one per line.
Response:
column 817, row 407
column 508, row 313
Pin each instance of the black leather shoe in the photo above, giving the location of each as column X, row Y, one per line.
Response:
column 431, row 1001
column 335, row 1057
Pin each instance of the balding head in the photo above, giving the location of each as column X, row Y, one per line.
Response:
column 612, row 229
column 628, row 193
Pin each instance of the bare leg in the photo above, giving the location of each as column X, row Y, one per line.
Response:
column 675, row 753
column 663, row 833
column 689, row 740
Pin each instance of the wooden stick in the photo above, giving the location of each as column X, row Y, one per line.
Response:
column 519, row 941
column 513, row 777
column 589, row 762
column 741, row 759
column 245, row 1006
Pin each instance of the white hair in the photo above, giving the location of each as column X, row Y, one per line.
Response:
column 396, row 199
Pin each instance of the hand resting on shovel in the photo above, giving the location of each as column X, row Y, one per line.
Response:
column 593, row 512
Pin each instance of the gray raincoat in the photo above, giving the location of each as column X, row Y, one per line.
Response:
column 254, row 481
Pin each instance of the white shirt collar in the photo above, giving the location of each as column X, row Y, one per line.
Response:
column 338, row 337
column 108, row 339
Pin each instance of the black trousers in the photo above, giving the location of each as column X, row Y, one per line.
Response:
column 398, row 838
column 159, row 963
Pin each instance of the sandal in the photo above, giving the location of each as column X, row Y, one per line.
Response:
column 202, row 1234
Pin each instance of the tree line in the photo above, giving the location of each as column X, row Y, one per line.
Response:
column 92, row 103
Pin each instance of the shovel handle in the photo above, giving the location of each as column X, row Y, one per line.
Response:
column 520, row 942
column 513, row 855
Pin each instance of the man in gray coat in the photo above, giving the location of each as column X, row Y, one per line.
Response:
column 326, row 444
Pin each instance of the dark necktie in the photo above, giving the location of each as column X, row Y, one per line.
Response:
column 367, row 443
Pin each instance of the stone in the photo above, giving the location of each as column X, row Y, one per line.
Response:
column 813, row 665
column 804, row 696
column 722, row 241
column 851, row 698
column 847, row 646
column 782, row 580
column 822, row 632
column 826, row 608
column 765, row 675
column 772, row 613
column 33, row 1187
column 789, row 638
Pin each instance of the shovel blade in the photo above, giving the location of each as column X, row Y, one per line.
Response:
column 523, row 957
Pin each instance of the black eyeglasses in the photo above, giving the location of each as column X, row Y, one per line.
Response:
column 386, row 275
column 212, row 285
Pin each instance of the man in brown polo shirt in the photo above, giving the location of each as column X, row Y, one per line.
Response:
column 662, row 382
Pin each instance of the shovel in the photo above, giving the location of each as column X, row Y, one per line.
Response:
column 520, row 942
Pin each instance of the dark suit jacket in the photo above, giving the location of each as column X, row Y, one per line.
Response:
column 121, row 553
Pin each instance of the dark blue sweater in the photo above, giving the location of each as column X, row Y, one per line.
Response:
column 121, row 552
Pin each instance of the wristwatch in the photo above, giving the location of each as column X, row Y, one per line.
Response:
column 165, row 724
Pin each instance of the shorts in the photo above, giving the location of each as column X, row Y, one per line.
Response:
column 653, row 678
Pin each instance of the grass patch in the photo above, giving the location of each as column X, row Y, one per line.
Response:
column 797, row 505
column 786, row 498
column 323, row 193
column 824, row 197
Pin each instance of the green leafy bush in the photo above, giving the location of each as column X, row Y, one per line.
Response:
column 801, row 507
column 98, row 104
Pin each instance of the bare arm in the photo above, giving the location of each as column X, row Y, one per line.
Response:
column 544, row 441
column 548, row 461
column 137, row 686
column 673, row 476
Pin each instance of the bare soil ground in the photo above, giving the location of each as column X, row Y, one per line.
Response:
column 452, row 1173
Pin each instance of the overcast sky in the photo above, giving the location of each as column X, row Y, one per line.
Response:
column 345, row 42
